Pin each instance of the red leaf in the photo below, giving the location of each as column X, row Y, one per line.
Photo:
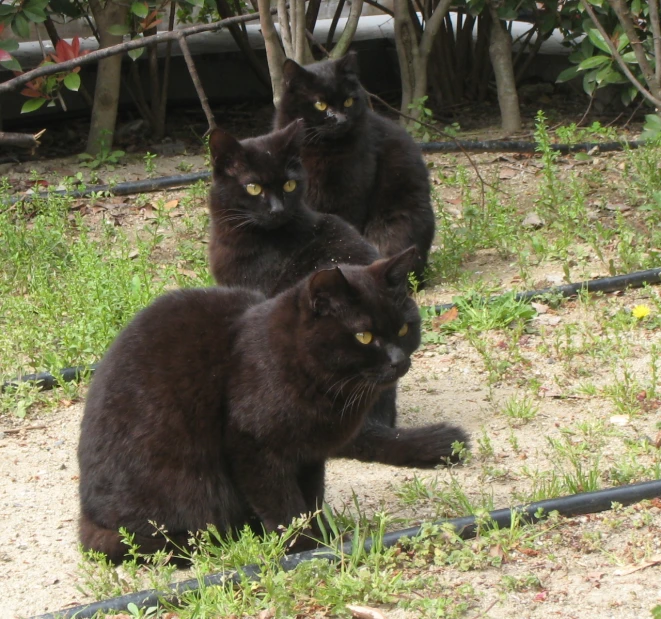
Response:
column 4, row 55
column 541, row 596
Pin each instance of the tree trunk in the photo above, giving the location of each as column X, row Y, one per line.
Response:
column 407, row 54
column 106, row 92
column 500, row 51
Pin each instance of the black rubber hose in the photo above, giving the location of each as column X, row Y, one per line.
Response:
column 606, row 284
column 46, row 380
column 506, row 146
column 492, row 146
column 466, row 527
column 637, row 279
column 122, row 189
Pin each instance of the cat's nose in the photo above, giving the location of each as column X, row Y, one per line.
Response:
column 276, row 205
column 399, row 360
column 338, row 117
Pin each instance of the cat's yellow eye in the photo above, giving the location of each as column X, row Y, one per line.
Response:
column 364, row 337
column 289, row 186
column 253, row 189
column 321, row 105
column 348, row 102
column 403, row 331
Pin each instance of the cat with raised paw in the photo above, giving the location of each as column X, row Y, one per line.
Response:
column 264, row 236
column 218, row 406
column 361, row 166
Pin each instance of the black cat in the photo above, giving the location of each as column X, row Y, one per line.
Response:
column 264, row 236
column 361, row 166
column 216, row 406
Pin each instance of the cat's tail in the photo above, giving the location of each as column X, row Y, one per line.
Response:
column 109, row 542
column 422, row 447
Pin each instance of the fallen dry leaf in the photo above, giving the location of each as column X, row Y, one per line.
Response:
column 449, row 316
column 540, row 308
column 651, row 562
column 365, row 612
column 269, row 613
column 192, row 274
column 541, row 596
column 168, row 206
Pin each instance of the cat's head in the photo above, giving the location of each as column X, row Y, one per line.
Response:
column 259, row 181
column 359, row 321
column 326, row 95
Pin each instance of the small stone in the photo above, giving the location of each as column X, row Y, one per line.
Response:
column 533, row 220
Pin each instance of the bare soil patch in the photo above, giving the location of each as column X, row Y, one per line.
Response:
column 575, row 568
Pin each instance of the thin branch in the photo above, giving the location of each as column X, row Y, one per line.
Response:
column 656, row 35
column 21, row 139
column 285, row 31
column 113, row 50
column 624, row 17
column 165, row 82
column 333, row 26
column 611, row 46
column 274, row 54
column 349, row 31
column 196, row 81
column 298, row 32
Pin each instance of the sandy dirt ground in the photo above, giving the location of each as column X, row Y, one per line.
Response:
column 39, row 502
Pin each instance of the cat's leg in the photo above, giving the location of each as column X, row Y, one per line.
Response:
column 108, row 541
column 311, row 480
column 423, row 447
column 270, row 485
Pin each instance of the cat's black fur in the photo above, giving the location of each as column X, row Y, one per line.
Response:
column 361, row 166
column 216, row 406
column 271, row 240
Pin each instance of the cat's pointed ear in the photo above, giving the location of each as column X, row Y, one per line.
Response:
column 225, row 149
column 394, row 272
column 292, row 136
column 329, row 291
column 348, row 63
column 292, row 72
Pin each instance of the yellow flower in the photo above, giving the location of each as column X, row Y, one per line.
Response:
column 640, row 311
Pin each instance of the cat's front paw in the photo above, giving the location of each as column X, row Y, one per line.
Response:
column 429, row 446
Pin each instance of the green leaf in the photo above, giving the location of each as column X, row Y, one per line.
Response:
column 10, row 45
column 140, row 9
column 35, row 15
column 622, row 42
column 197, row 3
column 72, row 81
column 589, row 82
column 629, row 58
column 614, row 77
column 118, row 30
column 31, row 105
column 567, row 75
column 21, row 26
column 6, row 9
column 597, row 40
column 134, row 54
column 651, row 128
column 594, row 61
column 12, row 64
